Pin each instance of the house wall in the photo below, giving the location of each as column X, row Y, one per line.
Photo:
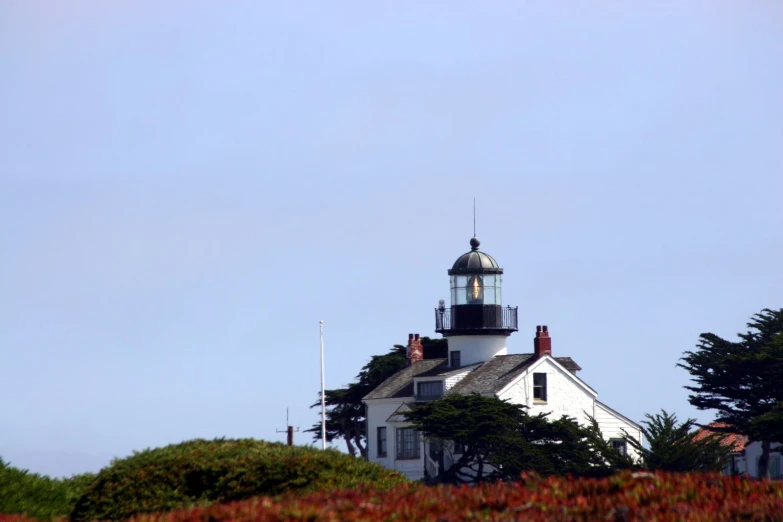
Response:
column 564, row 395
column 477, row 348
column 612, row 426
column 377, row 413
column 752, row 454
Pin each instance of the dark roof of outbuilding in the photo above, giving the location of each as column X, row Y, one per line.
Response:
column 401, row 383
column 490, row 377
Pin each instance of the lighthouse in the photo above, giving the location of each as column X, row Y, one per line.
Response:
column 476, row 324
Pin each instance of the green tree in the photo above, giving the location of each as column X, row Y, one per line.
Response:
column 743, row 380
column 674, row 446
column 345, row 415
column 771, row 422
column 499, row 440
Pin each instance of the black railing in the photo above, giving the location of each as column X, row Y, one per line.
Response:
column 476, row 318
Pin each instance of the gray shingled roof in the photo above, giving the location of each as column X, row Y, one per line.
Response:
column 568, row 364
column 401, row 383
column 487, row 378
column 493, row 374
column 499, row 371
column 440, row 371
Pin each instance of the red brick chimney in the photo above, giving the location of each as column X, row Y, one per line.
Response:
column 415, row 350
column 542, row 344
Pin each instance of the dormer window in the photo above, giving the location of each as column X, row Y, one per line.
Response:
column 429, row 390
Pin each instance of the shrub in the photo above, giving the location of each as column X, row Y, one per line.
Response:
column 201, row 472
column 38, row 496
column 626, row 496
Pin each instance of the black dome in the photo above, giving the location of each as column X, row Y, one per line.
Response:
column 475, row 262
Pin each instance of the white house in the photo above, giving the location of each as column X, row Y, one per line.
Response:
column 477, row 326
column 746, row 454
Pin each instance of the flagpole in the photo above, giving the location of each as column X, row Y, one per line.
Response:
column 323, row 396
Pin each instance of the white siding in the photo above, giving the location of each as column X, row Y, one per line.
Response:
column 612, row 427
column 451, row 380
column 377, row 413
column 565, row 396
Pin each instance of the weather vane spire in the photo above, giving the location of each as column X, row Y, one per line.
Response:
column 474, row 217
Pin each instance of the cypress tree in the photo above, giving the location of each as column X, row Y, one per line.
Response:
column 742, row 380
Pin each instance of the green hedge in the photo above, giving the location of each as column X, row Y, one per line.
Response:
column 36, row 496
column 201, row 472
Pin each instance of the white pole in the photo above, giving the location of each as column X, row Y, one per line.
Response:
column 323, row 397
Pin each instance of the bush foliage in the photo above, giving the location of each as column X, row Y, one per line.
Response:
column 202, row 472
column 38, row 496
column 627, row 496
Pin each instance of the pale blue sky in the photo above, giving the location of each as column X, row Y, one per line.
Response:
column 186, row 188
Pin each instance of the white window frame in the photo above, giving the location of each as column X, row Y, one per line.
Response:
column 408, row 445
column 540, row 386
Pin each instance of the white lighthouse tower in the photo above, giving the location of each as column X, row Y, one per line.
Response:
column 476, row 324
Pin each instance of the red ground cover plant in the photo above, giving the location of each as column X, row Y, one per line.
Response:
column 624, row 497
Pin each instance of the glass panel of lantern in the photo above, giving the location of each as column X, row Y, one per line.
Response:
column 474, row 293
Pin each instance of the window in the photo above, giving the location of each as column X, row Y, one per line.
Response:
column 459, row 448
column 382, row 441
column 620, row 445
column 456, row 361
column 408, row 445
column 430, row 389
column 774, row 467
column 539, row 387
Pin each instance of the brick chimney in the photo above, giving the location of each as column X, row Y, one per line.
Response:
column 542, row 344
column 415, row 352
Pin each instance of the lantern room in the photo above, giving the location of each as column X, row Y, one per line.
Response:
column 475, row 278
